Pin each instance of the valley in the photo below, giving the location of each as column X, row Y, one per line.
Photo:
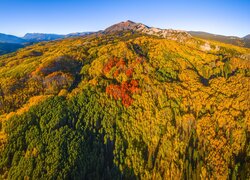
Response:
column 129, row 102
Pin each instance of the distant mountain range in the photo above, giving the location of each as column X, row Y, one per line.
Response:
column 36, row 37
column 41, row 37
column 5, row 38
column 10, row 43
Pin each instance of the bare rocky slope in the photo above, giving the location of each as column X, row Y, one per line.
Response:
column 142, row 28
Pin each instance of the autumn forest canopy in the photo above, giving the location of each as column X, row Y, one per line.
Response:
column 125, row 105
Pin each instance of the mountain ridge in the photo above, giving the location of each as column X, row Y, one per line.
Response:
column 37, row 37
column 177, row 35
column 41, row 37
column 7, row 38
column 247, row 36
column 129, row 25
column 235, row 40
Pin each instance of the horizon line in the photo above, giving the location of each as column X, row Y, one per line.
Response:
column 93, row 31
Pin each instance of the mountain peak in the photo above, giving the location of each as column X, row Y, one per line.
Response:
column 124, row 25
column 129, row 21
column 142, row 28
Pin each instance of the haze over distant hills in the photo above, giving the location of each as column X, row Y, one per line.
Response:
column 41, row 37
column 6, row 38
column 10, row 43
column 36, row 37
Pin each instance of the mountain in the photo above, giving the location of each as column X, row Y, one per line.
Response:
column 36, row 37
column 246, row 40
column 139, row 27
column 123, row 104
column 10, row 43
column 170, row 34
column 247, row 36
column 243, row 42
column 5, row 38
column 9, row 47
column 78, row 34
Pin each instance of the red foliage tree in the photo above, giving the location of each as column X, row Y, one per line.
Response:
column 121, row 63
column 108, row 66
column 123, row 91
column 129, row 72
column 126, row 89
column 116, row 73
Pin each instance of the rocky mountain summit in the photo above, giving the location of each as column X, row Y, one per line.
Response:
column 171, row 34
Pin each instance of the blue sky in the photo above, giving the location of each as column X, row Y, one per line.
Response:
column 225, row 17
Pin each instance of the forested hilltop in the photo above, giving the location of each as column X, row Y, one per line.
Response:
column 125, row 105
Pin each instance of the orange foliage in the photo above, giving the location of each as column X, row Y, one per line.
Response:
column 127, row 88
column 121, row 63
column 123, row 91
column 116, row 73
column 121, row 66
column 129, row 72
column 108, row 66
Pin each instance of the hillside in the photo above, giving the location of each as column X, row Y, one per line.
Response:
column 5, row 38
column 247, row 36
column 171, row 34
column 125, row 104
column 9, row 47
column 243, row 42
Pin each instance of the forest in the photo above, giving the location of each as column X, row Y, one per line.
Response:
column 125, row 106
